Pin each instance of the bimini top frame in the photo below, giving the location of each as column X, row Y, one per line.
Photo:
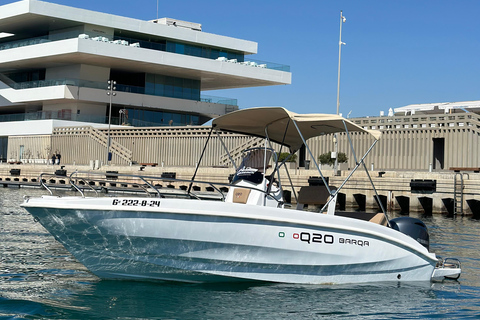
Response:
column 275, row 120
column 275, row 124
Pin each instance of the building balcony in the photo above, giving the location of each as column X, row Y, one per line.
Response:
column 69, row 116
column 215, row 74
column 120, row 88
column 168, row 46
column 92, row 92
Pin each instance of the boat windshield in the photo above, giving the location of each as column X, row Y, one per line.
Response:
column 254, row 163
column 248, row 174
column 257, row 158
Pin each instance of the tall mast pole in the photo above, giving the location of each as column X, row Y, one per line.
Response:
column 340, row 43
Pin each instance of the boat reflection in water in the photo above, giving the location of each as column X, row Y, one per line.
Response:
column 249, row 234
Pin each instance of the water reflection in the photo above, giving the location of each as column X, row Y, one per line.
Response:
column 40, row 279
column 121, row 299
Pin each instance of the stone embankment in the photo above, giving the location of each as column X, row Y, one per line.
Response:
column 402, row 191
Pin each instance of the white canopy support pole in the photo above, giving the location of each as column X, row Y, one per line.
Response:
column 266, row 188
column 368, row 174
column 350, row 141
column 265, row 157
column 349, row 176
column 332, row 205
column 267, row 185
column 376, row 193
column 199, row 161
column 313, row 158
column 291, row 184
column 277, row 166
column 226, row 149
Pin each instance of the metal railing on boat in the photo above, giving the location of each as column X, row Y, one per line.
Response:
column 94, row 182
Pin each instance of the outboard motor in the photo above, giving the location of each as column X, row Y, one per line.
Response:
column 412, row 227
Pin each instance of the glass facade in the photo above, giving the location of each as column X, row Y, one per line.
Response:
column 26, row 75
column 148, row 118
column 203, row 52
column 131, row 116
column 152, row 84
column 182, row 48
column 164, row 86
column 172, row 87
column 148, row 42
column 3, row 148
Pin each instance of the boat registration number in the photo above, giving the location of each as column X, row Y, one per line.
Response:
column 136, row 203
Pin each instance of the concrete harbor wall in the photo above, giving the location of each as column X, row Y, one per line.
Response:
column 394, row 187
column 418, row 143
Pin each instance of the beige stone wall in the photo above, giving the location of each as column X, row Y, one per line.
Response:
column 34, row 147
column 407, row 149
column 405, row 146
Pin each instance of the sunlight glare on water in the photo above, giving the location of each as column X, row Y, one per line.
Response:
column 39, row 279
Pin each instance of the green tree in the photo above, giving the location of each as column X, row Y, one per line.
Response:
column 284, row 155
column 326, row 159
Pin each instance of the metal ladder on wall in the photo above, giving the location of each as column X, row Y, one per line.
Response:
column 458, row 193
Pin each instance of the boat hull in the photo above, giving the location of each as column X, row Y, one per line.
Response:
column 206, row 241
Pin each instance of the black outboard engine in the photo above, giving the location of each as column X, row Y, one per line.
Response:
column 412, row 227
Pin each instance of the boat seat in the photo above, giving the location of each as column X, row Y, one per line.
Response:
column 240, row 195
column 312, row 195
column 379, row 218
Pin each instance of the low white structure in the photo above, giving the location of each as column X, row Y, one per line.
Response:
column 445, row 107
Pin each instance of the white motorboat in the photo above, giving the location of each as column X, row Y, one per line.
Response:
column 249, row 234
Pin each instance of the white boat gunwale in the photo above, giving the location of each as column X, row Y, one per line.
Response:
column 307, row 222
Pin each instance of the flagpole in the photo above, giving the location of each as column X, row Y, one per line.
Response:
column 340, row 43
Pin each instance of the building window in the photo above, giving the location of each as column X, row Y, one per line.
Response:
column 172, row 87
column 26, row 76
column 202, row 52
column 182, row 48
column 3, row 148
column 153, row 118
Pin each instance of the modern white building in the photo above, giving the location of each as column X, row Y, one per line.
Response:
column 55, row 62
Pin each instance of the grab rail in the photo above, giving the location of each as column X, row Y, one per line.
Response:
column 147, row 185
column 70, row 181
column 85, row 183
column 449, row 263
column 143, row 178
column 44, row 185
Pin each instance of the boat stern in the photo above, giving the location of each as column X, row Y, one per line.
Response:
column 448, row 268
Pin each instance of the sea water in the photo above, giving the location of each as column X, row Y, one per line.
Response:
column 39, row 279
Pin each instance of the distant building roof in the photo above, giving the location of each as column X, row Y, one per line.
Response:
column 447, row 107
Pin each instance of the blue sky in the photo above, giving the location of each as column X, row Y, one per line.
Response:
column 397, row 52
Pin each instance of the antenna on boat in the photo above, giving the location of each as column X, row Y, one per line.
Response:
column 340, row 43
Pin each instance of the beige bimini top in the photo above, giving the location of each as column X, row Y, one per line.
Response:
column 276, row 122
